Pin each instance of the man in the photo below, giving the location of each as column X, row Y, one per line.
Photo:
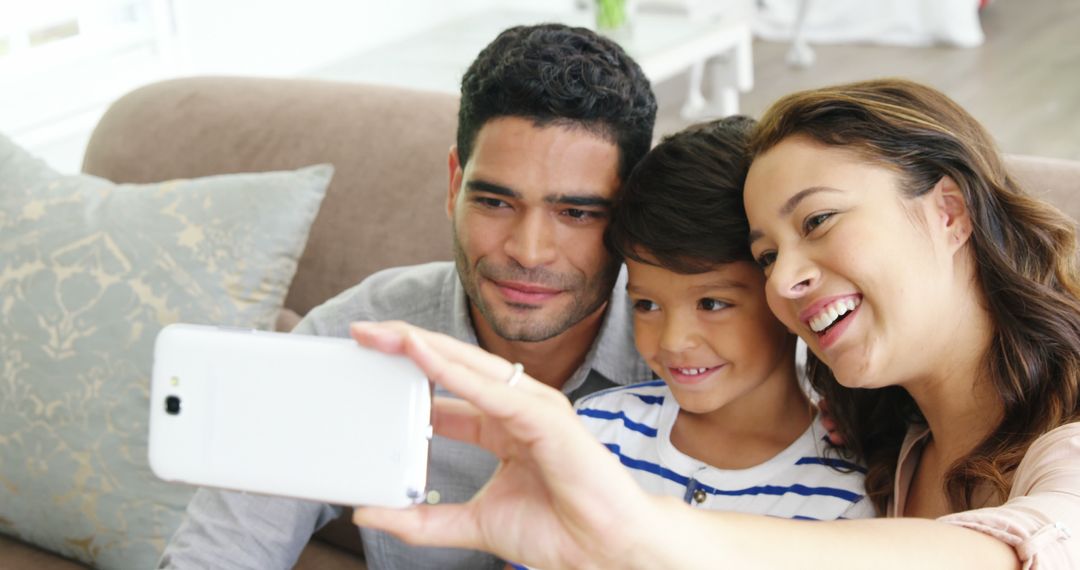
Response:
column 552, row 120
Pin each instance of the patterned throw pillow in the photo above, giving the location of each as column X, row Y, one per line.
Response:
column 90, row 271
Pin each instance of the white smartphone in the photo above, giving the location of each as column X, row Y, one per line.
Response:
column 299, row 416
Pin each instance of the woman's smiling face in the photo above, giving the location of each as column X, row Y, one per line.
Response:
column 853, row 267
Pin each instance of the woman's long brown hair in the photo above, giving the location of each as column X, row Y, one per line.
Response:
column 1026, row 257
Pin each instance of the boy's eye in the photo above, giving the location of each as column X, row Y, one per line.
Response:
column 815, row 220
column 645, row 306
column 712, row 304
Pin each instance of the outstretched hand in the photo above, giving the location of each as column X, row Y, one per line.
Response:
column 558, row 498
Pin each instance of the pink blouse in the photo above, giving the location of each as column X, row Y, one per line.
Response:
column 1041, row 517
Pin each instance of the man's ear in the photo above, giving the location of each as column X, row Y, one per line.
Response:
column 951, row 212
column 456, row 176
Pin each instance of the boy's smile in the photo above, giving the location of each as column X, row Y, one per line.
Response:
column 690, row 374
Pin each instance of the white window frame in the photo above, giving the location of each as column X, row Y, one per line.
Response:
column 54, row 87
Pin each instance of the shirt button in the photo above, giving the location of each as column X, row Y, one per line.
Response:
column 699, row 496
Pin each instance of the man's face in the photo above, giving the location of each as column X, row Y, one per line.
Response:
column 529, row 212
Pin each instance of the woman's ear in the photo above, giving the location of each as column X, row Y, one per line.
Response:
column 951, row 212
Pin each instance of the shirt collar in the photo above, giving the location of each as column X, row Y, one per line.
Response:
column 906, row 462
column 459, row 323
column 613, row 353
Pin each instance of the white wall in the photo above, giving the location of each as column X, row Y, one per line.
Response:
column 238, row 37
column 256, row 37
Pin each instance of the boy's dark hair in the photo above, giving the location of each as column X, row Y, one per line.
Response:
column 682, row 207
column 555, row 74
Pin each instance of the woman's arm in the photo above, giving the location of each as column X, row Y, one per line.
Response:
column 689, row 538
column 559, row 499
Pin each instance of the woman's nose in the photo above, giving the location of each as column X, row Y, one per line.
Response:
column 793, row 276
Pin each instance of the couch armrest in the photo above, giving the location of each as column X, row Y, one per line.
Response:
column 15, row 554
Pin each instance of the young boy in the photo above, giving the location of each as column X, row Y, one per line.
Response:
column 729, row 426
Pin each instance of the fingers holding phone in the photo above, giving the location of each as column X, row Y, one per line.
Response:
column 549, row 461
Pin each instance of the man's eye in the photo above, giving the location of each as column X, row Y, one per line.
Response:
column 490, row 202
column 645, row 306
column 815, row 221
column 712, row 304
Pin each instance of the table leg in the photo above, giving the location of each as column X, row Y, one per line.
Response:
column 729, row 74
column 694, row 107
column 800, row 54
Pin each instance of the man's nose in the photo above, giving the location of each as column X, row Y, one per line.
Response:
column 532, row 241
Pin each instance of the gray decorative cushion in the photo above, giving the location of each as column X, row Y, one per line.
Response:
column 89, row 272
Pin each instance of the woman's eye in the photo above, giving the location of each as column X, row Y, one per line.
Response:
column 712, row 304
column 815, row 221
column 645, row 306
column 582, row 215
column 766, row 259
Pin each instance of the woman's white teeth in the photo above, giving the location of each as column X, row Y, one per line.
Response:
column 831, row 312
column 692, row 371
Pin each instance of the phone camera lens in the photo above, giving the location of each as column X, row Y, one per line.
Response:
column 172, row 405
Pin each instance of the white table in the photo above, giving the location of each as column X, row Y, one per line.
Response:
column 664, row 44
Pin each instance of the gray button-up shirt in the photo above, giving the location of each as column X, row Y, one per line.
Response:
column 225, row 529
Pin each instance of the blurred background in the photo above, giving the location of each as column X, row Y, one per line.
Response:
column 1015, row 64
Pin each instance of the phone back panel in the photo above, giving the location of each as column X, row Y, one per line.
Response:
column 302, row 416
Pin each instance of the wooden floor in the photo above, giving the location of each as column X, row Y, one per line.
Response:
column 1023, row 83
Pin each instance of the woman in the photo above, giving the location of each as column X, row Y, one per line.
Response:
column 941, row 304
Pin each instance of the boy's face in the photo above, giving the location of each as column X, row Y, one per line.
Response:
column 710, row 336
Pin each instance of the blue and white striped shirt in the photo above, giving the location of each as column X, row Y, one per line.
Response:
column 635, row 422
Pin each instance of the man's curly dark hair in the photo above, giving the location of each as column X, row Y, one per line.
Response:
column 556, row 74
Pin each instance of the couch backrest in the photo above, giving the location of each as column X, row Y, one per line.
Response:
column 1053, row 179
column 385, row 206
column 386, row 203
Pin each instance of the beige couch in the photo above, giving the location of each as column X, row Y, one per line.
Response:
column 384, row 206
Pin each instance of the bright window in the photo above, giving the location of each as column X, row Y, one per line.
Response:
column 63, row 61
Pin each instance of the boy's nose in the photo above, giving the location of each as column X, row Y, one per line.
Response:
column 678, row 335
